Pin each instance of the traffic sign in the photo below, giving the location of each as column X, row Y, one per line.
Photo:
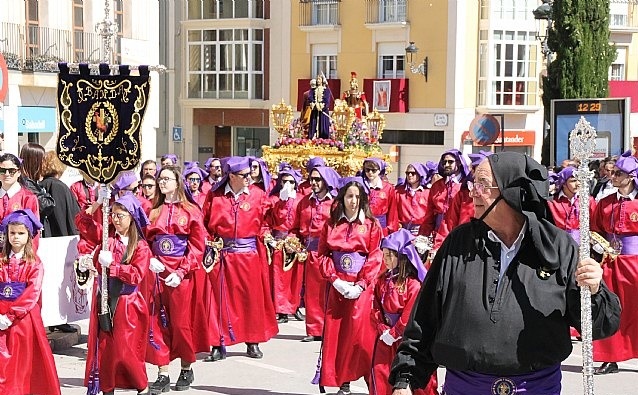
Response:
column 177, row 134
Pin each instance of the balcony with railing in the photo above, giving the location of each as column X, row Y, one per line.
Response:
column 319, row 13
column 31, row 48
column 623, row 17
column 386, row 11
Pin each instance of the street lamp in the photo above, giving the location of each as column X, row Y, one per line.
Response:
column 281, row 117
column 411, row 51
column 544, row 12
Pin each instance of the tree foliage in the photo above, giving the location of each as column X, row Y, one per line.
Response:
column 579, row 39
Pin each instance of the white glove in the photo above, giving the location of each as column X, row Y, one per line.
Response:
column 284, row 193
column 353, row 292
column 387, row 338
column 156, row 266
column 103, row 193
column 105, row 258
column 5, row 322
column 84, row 263
column 173, row 280
column 341, row 285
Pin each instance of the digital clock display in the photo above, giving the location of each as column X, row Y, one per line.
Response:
column 588, row 107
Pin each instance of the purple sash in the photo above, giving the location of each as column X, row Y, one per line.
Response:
column 127, row 289
column 246, row 244
column 348, row 262
column 169, row 245
column 391, row 318
column 383, row 220
column 437, row 221
column 312, row 243
column 279, row 234
column 575, row 234
column 11, row 291
column 629, row 245
column 543, row 382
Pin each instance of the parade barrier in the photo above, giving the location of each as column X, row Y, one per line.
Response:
column 62, row 300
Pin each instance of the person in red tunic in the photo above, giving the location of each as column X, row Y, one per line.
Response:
column 213, row 167
column 382, row 196
column 350, row 259
column 286, row 281
column 84, row 191
column 412, row 196
column 394, row 295
column 241, row 307
column 118, row 357
column 194, row 180
column 305, row 187
column 149, row 188
column 26, row 361
column 453, row 167
column 177, row 238
column 565, row 204
column 312, row 213
column 126, row 183
column 259, row 174
column 616, row 218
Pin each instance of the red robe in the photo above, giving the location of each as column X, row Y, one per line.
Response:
column 349, row 333
column 85, row 195
column 441, row 195
column 310, row 219
column 175, row 340
column 461, row 210
column 411, row 207
column 239, row 298
column 122, row 352
column 383, row 202
column 389, row 300
column 200, row 198
column 26, row 361
column 621, row 276
column 304, row 188
column 286, row 285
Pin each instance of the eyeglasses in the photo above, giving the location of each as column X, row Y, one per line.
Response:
column 11, row 170
column 244, row 175
column 315, row 179
column 448, row 162
column 478, row 188
column 287, row 181
column 148, row 186
column 411, row 173
column 370, row 169
column 194, row 179
column 617, row 173
column 255, row 167
column 119, row 216
column 164, row 179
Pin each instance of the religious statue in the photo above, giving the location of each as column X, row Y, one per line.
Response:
column 305, row 109
column 320, row 102
column 356, row 98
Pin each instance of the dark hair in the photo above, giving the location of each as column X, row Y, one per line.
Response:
column 12, row 158
column 405, row 270
column 32, row 155
column 149, row 177
column 338, row 208
column 29, row 252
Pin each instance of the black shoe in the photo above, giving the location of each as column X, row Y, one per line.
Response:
column 282, row 318
column 606, row 368
column 162, row 384
column 185, row 380
column 66, row 328
column 215, row 355
column 299, row 316
column 253, row 351
column 344, row 389
column 308, row 339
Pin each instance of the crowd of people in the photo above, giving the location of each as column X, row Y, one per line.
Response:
column 199, row 258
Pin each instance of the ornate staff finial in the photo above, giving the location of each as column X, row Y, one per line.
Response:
column 107, row 29
column 582, row 142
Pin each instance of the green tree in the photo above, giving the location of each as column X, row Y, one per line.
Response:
column 579, row 39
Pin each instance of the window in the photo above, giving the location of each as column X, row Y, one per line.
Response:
column 512, row 79
column 391, row 66
column 392, row 10
column 325, row 12
column 119, row 19
column 250, row 140
column 617, row 69
column 225, row 9
column 519, row 10
column 485, row 8
column 78, row 30
column 225, row 64
column 326, row 64
column 33, row 27
column 618, row 14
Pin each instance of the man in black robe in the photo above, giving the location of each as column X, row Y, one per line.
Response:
column 502, row 292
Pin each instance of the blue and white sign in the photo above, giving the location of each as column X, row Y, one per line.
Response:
column 36, row 119
column 177, row 133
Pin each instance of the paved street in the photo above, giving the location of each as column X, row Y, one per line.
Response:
column 289, row 365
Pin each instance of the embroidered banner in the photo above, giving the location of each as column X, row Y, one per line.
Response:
column 100, row 117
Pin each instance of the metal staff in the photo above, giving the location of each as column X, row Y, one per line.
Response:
column 582, row 142
column 104, row 300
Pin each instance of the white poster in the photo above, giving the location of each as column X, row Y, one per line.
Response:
column 62, row 300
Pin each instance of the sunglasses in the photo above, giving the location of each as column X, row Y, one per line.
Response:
column 479, row 188
column 255, row 167
column 148, row 186
column 194, row 179
column 287, row 181
column 411, row 173
column 132, row 189
column 617, row 173
column 448, row 162
column 315, row 179
column 11, row 171
column 370, row 170
column 244, row 175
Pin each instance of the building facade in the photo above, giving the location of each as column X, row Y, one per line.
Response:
column 36, row 32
